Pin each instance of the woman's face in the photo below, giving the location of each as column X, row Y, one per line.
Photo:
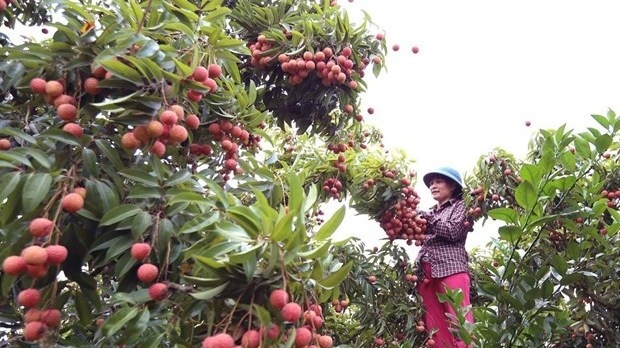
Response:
column 441, row 189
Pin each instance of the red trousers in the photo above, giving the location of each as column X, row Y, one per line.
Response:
column 435, row 317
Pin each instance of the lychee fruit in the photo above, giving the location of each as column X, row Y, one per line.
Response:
column 41, row 227
column 56, row 254
column 415, row 49
column 37, row 271
column 158, row 291
column 141, row 134
column 221, row 340
column 29, row 297
column 139, row 251
column 214, row 70
column 32, row 314
column 147, row 272
column 291, row 312
column 34, row 331
column 272, row 331
column 129, row 141
column 325, row 341
column 64, row 99
column 91, row 86
column 34, row 255
column 5, row 144
column 178, row 133
column 303, row 336
column 72, row 202
column 80, row 191
column 169, row 117
column 51, row 317
column 98, row 72
column 14, row 265
column 155, row 128
column 211, row 84
column 74, row 129
column 178, row 109
column 158, row 149
column 67, row 112
column 192, row 121
column 54, row 88
column 250, row 339
column 200, row 73
column 278, row 298
column 37, row 85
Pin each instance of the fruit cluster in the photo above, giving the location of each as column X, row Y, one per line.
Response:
column 402, row 221
column 333, row 187
column 206, row 77
column 613, row 197
column 53, row 92
column 230, row 138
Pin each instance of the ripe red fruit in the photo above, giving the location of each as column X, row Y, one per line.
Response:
column 34, row 255
column 291, row 312
column 430, row 342
column 230, row 164
column 178, row 133
column 36, row 271
column 140, row 251
column 64, row 99
column 278, row 298
column 272, row 331
column 98, row 72
column 33, row 314
column 147, row 273
column 129, row 141
column 250, row 339
column 348, row 108
column 29, row 297
column 200, row 73
column 41, row 227
column 192, row 121
column 221, row 340
column 72, row 202
column 395, row 47
column 415, row 49
column 215, row 70
column 155, row 129
column 158, row 291
column 91, row 86
column 380, row 36
column 56, row 254
column 14, row 265
column 80, row 191
column 211, row 84
column 51, row 317
column 303, row 336
column 34, row 331
column 528, row 123
column 54, row 88
column 73, row 129
column 158, row 149
column 169, row 117
column 37, row 85
column 379, row 341
column 507, row 172
column 67, row 112
column 372, row 279
column 5, row 144
column 325, row 341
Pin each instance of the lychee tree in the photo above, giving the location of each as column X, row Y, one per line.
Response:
column 164, row 165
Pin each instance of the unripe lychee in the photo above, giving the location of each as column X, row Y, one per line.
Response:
column 67, row 112
column 147, row 272
column 14, row 265
column 129, row 141
column 72, row 202
column 37, row 85
column 32, row 314
column 250, row 339
column 34, row 331
column 278, row 298
column 54, row 88
column 178, row 133
column 192, row 121
column 291, row 312
column 56, row 254
column 221, row 340
column 158, row 149
column 303, row 336
column 91, row 86
column 140, row 251
column 74, row 129
column 158, row 291
column 29, row 297
column 214, row 70
column 200, row 73
column 41, row 227
column 51, row 317
column 34, row 255
column 5, row 144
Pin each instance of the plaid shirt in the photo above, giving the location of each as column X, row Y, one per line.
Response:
column 446, row 232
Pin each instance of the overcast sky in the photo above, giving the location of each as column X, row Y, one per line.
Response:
column 483, row 69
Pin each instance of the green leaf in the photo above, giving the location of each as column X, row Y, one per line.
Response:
column 246, row 218
column 140, row 176
column 188, row 197
column 295, row 192
column 59, row 135
column 526, row 195
column 200, row 222
column 38, row 185
column 311, row 198
column 509, row 233
column 82, row 307
column 9, row 182
column 283, row 227
column 118, row 320
column 602, row 120
column 559, row 263
column 122, row 71
column 531, row 173
column 317, row 252
column 503, row 214
column 41, row 157
column 209, row 294
column 178, row 178
column 331, row 225
column 232, row 232
column 603, row 142
column 13, row 157
column 91, row 167
column 118, row 214
column 582, row 147
column 336, row 277
column 110, row 153
column 140, row 223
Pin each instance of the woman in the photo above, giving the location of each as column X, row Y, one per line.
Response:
column 442, row 260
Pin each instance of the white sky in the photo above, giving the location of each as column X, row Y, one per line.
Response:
column 483, row 69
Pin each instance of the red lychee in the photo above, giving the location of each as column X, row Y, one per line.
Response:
column 325, row 341
column 80, row 191
column 250, row 339
column 129, row 141
column 37, row 85
column 158, row 149
column 147, row 272
column 278, row 298
column 91, row 86
column 67, row 112
column 221, row 340
column 155, row 129
column 32, row 314
column 192, row 121
column 64, row 99
column 303, row 336
column 54, row 88
column 5, row 144
column 51, row 317
column 214, row 70
column 291, row 312
column 41, row 227
column 72, row 202
column 140, row 251
column 74, row 129
column 29, row 297
column 34, row 255
column 37, row 271
column 34, row 331
column 415, row 49
column 169, row 117
column 178, row 133
column 200, row 73
column 56, row 254
column 158, row 291
column 14, row 265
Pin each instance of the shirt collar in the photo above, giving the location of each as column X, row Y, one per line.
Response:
column 447, row 203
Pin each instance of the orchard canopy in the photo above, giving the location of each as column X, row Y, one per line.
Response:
column 165, row 167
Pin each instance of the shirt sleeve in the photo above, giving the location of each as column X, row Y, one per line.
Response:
column 451, row 227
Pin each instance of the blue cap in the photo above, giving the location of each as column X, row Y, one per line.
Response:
column 448, row 172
